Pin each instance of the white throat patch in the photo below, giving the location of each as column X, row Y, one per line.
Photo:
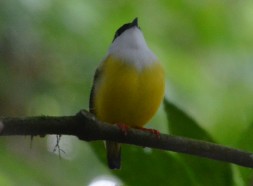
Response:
column 131, row 48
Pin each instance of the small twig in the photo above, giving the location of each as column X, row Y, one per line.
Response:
column 87, row 128
column 57, row 146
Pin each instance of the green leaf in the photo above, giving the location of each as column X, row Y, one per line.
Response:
column 246, row 143
column 144, row 166
column 183, row 125
column 204, row 171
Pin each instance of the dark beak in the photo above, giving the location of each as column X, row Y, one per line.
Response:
column 135, row 22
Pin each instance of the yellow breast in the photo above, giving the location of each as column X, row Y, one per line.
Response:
column 127, row 95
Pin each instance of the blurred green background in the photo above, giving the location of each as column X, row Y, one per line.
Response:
column 49, row 51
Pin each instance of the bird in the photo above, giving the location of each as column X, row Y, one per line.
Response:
column 128, row 85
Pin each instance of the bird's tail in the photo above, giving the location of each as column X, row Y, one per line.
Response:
column 113, row 154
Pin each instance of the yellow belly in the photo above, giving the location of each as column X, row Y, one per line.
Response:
column 127, row 95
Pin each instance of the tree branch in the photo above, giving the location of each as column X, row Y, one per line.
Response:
column 86, row 127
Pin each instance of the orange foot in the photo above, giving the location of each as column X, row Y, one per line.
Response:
column 123, row 128
column 152, row 131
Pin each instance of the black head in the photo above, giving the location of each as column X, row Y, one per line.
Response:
column 126, row 26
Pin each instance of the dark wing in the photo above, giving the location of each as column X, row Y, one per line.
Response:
column 92, row 92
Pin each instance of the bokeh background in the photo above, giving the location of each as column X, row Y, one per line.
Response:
column 49, row 51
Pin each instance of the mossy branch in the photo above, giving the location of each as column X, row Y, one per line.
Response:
column 86, row 127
